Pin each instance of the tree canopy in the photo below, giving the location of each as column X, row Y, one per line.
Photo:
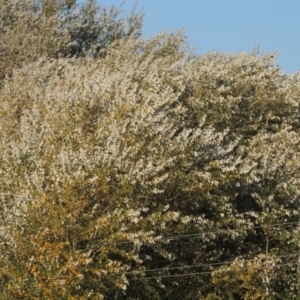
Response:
column 133, row 168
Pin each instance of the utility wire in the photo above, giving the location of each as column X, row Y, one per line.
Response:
column 61, row 278
column 242, row 269
column 188, row 236
column 205, row 264
column 192, row 235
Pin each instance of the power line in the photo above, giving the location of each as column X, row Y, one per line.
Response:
column 212, row 231
column 177, row 267
column 192, row 235
column 170, row 276
column 61, row 278
column 242, row 269
column 205, row 264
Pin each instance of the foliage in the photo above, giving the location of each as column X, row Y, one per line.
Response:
column 37, row 28
column 138, row 170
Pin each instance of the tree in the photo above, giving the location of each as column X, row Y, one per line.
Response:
column 141, row 170
column 34, row 29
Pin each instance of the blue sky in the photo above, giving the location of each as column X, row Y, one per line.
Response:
column 228, row 25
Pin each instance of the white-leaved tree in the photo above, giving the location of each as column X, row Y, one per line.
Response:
column 133, row 169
